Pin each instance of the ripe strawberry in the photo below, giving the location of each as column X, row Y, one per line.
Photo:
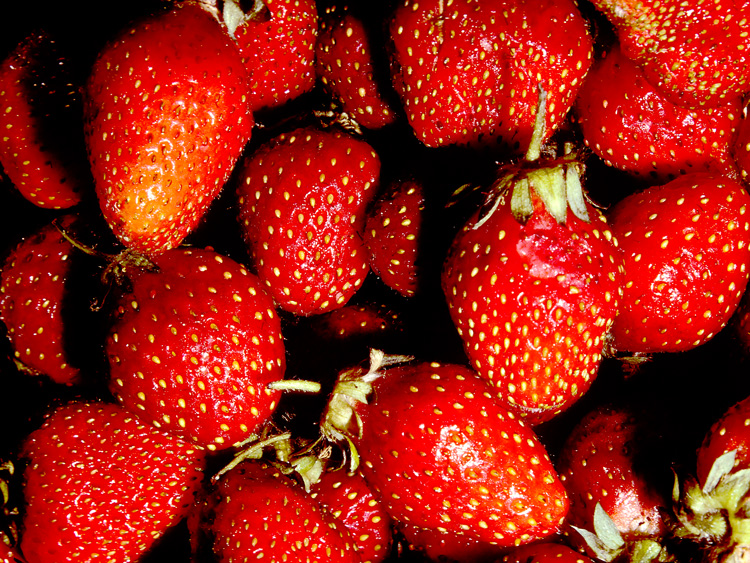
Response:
column 101, row 485
column 34, row 289
column 443, row 454
column 195, row 347
column 352, row 502
column 40, row 151
column 532, row 282
column 302, row 200
column 392, row 235
column 633, row 127
column 546, row 552
column 164, row 132
column 686, row 262
column 612, row 478
column 276, row 40
column 695, row 55
column 468, row 72
column 256, row 512
column 347, row 68
column 446, row 547
column 356, row 322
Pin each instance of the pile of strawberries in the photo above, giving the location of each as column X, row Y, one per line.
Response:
column 440, row 280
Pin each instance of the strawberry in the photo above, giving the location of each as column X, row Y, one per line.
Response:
column 256, row 512
column 34, row 290
column 695, row 55
column 545, row 552
column 392, row 234
column 348, row 69
column 445, row 547
column 164, row 133
column 740, row 147
column 633, row 127
column 468, row 72
column 102, row 485
column 302, row 199
column 532, row 282
column 686, row 262
column 350, row 499
column 443, row 454
column 195, row 347
column 276, row 41
column 611, row 476
column 41, row 151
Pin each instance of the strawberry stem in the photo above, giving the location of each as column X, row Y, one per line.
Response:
column 298, row 385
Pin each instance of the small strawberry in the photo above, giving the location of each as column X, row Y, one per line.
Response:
column 41, row 148
column 302, row 200
column 102, row 485
column 532, row 282
column 545, row 552
column 611, row 476
column 695, row 54
column 350, row 499
column 257, row 512
column 392, row 234
column 686, row 261
column 166, row 118
column 633, row 127
column 468, row 71
column 195, row 347
column 443, row 454
column 347, row 68
column 34, row 289
column 276, row 40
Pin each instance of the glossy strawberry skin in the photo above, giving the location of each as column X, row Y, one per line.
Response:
column 686, row 262
column 633, row 127
column 164, row 133
column 447, row 547
column 468, row 73
column 277, row 45
column 195, row 346
column 533, row 303
column 39, row 149
column 443, row 454
column 102, row 484
column 33, row 291
column 730, row 432
column 256, row 512
column 741, row 147
column 302, row 199
column 346, row 68
column 392, row 235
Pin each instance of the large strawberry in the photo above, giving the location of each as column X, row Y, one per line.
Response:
column 696, row 54
column 686, row 260
column 276, row 39
column 41, row 148
column 633, row 127
column 102, row 485
column 532, row 282
column 302, row 200
column 195, row 346
column 468, row 72
column 166, row 118
column 443, row 454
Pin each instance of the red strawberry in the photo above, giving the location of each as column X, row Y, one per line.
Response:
column 741, row 146
column 347, row 68
column 443, row 454
column 355, row 322
column 447, row 547
column 392, row 235
column 195, row 347
column 546, row 552
column 633, row 127
column 350, row 499
column 302, row 200
column 610, row 473
column 101, row 485
column 40, row 150
column 256, row 512
column 686, row 262
column 166, row 118
column 694, row 54
column 532, row 282
column 34, row 288
column 468, row 71
column 276, row 40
